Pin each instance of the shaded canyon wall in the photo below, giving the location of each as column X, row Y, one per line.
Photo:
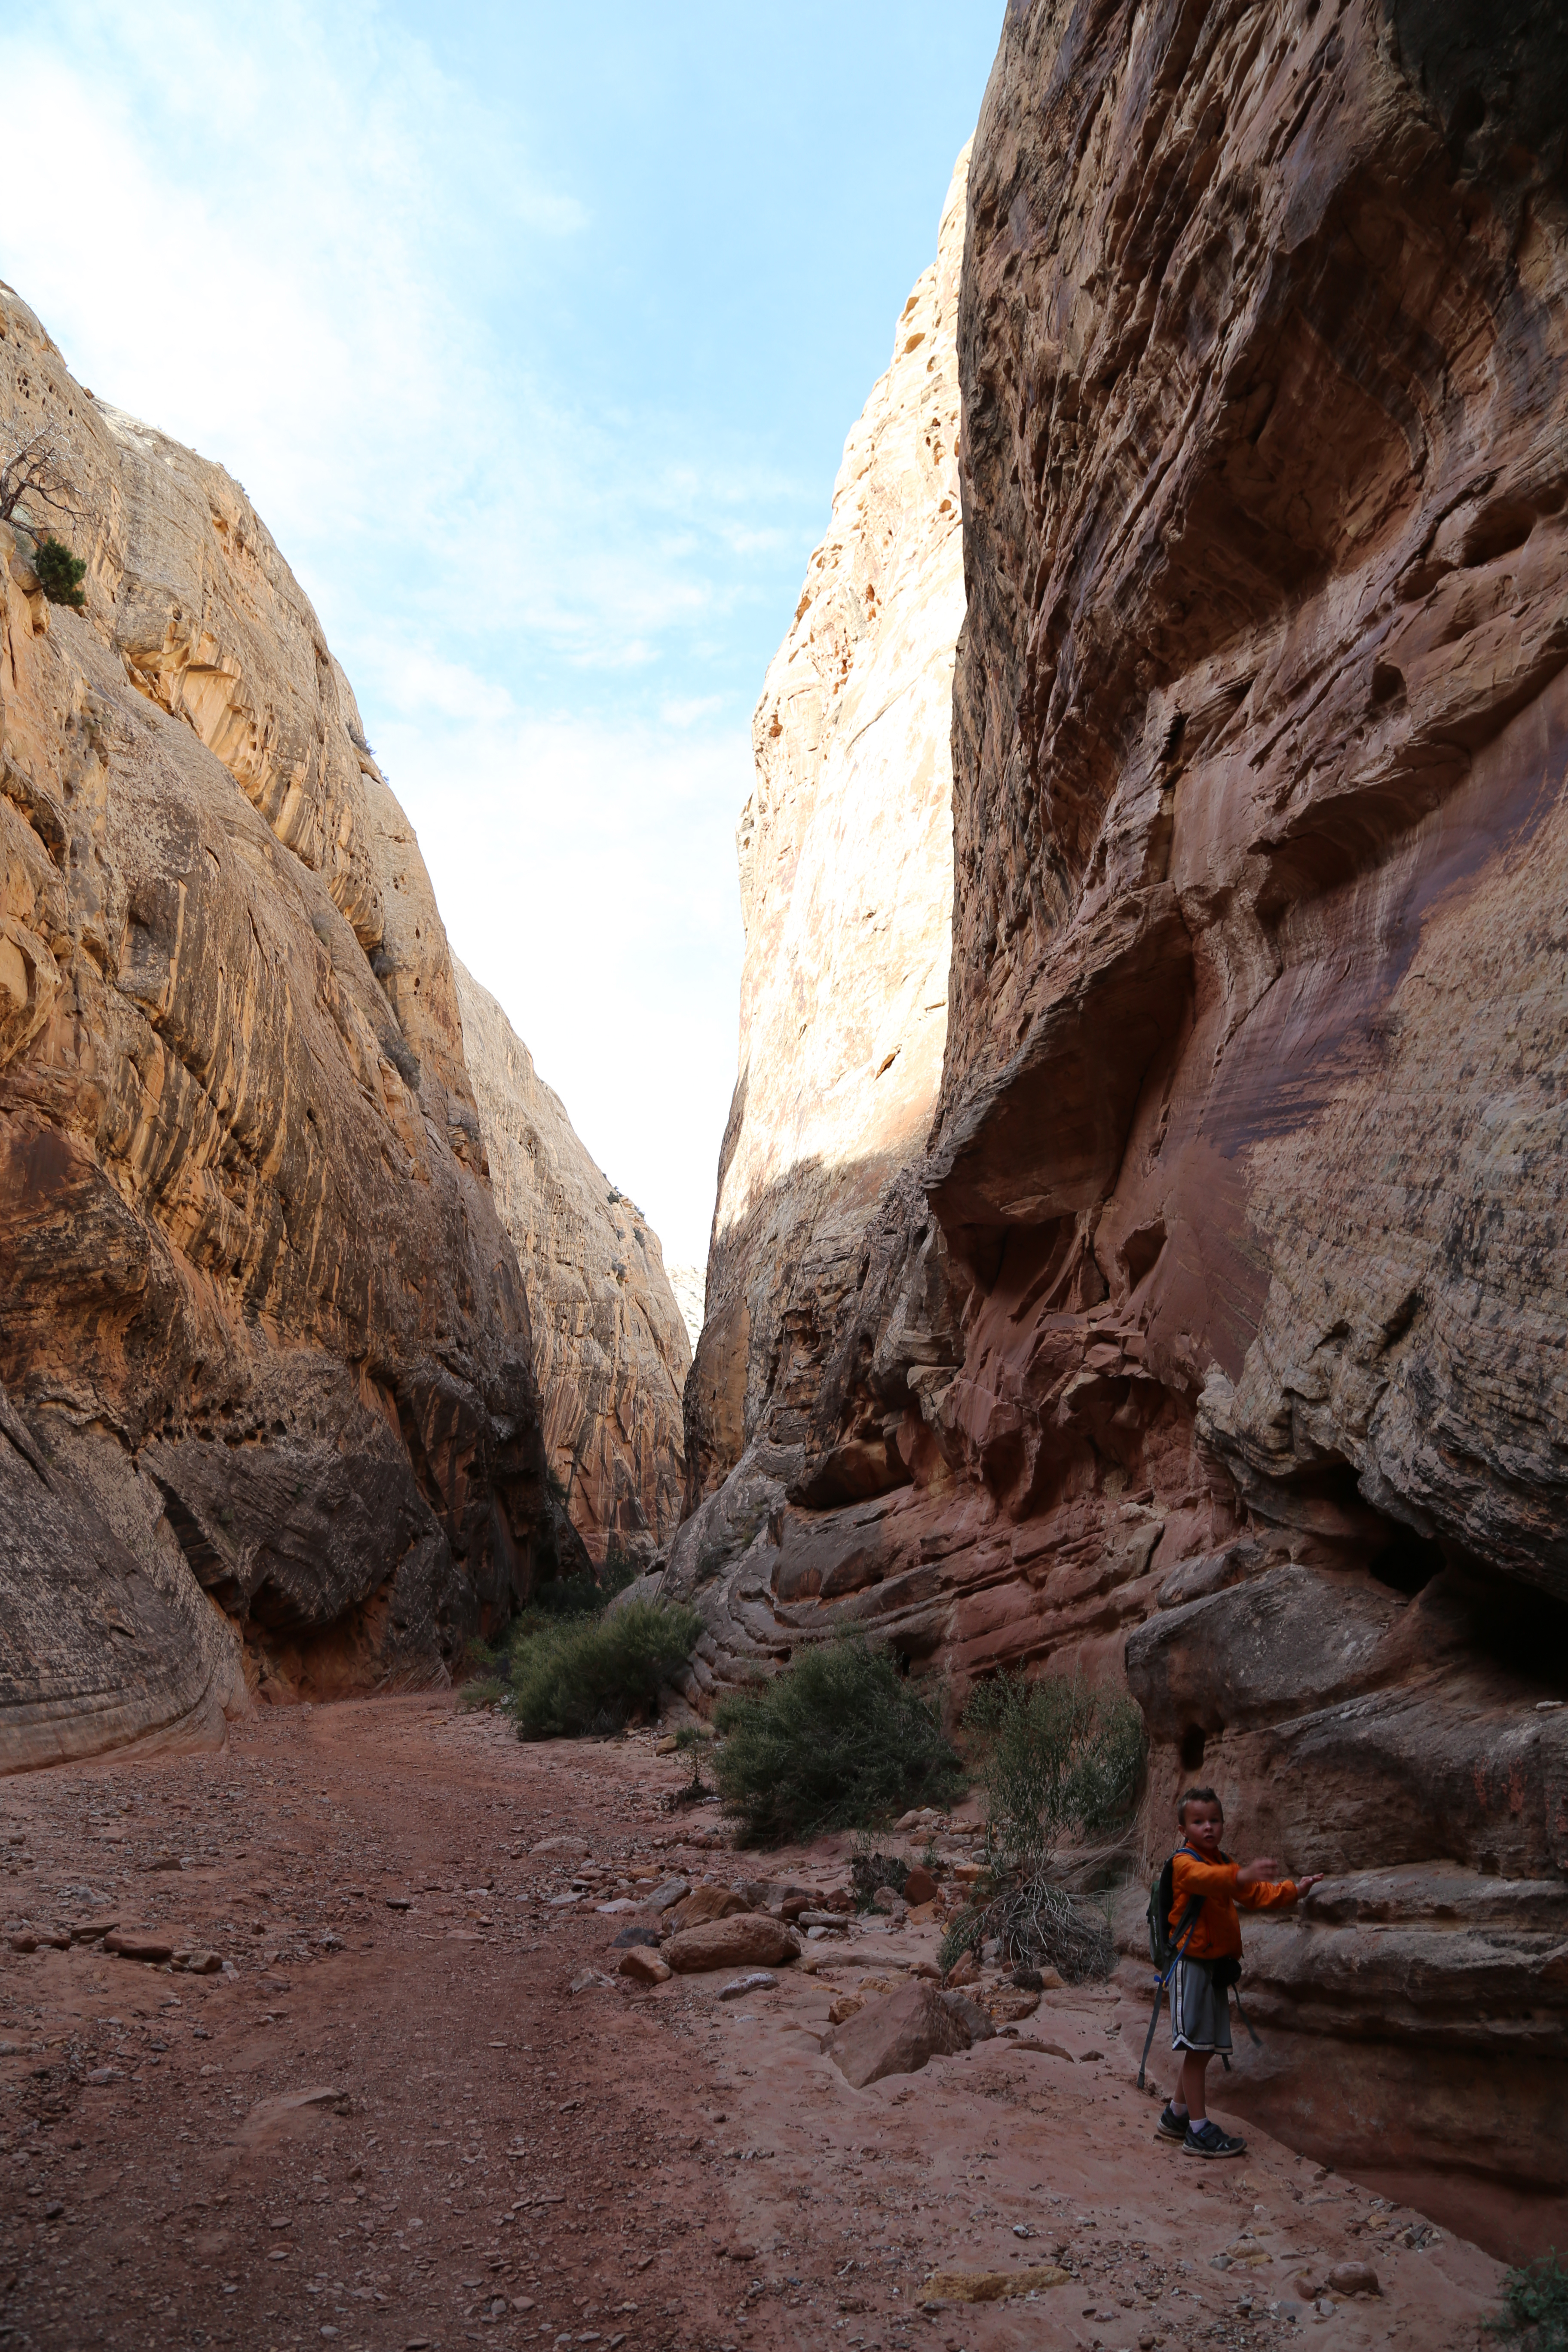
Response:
column 1214, row 1336
column 610, row 1349
column 267, row 1411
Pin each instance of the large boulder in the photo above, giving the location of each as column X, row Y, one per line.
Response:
column 898, row 2035
column 749, row 1940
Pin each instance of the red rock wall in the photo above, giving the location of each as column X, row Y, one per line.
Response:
column 264, row 1344
column 1221, row 1322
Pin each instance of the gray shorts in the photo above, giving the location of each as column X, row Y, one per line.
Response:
column 1200, row 2011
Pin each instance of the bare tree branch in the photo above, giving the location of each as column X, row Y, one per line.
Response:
column 36, row 468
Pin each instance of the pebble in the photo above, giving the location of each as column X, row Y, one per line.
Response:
column 760, row 1980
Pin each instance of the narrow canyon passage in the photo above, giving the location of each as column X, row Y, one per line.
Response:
column 390, row 2123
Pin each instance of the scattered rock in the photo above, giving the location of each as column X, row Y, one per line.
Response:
column 966, row 1971
column 991, row 2286
column 1010, row 2008
column 888, row 1898
column 630, row 1935
column 706, row 1903
column 919, row 1886
column 88, row 1931
column 132, row 1944
column 593, row 1979
column 759, row 1980
column 399, row 1902
column 976, row 2025
column 665, row 1897
column 751, row 1939
column 1353, row 2278
column 23, row 1942
column 199, row 1962
column 844, row 2006
column 577, row 1847
column 897, row 2035
column 643, row 1966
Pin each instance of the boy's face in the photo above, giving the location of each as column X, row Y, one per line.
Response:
column 1201, row 1826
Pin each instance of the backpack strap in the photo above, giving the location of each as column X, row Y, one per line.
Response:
column 1184, row 1925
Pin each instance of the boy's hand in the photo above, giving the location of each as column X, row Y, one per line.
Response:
column 1305, row 1886
column 1253, row 1874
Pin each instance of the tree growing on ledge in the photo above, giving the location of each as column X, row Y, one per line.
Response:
column 35, row 466
column 61, row 573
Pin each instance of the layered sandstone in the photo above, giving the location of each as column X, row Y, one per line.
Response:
column 1218, row 1328
column 610, row 1349
column 845, row 855
column 269, row 1406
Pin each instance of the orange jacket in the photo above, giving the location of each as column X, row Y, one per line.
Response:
column 1216, row 1933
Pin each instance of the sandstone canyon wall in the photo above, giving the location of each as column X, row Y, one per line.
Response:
column 1215, row 1338
column 846, row 853
column 267, row 1409
column 610, row 1349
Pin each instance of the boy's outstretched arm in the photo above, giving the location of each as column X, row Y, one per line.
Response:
column 1256, row 1891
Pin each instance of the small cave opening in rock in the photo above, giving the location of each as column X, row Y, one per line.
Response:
column 1191, row 1749
column 1407, row 1562
column 1140, row 1252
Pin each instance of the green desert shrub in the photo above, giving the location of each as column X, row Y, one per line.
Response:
column 837, row 1740
column 1534, row 2315
column 61, row 573
column 1053, row 1756
column 591, row 1673
column 485, row 1690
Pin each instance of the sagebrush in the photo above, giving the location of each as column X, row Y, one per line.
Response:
column 837, row 1740
column 593, row 1674
column 1536, row 2307
column 1054, row 1756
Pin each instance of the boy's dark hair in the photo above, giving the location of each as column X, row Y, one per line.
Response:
column 1196, row 1797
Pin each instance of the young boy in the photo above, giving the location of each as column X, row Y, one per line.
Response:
column 1200, row 2009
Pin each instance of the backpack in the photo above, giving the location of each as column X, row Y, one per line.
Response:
column 1165, row 1942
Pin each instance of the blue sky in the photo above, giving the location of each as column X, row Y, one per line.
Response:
column 534, row 334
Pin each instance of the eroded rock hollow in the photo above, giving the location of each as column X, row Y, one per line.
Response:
column 268, row 1412
column 1209, row 1331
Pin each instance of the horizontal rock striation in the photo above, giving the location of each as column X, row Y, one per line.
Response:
column 1218, row 1328
column 610, row 1349
column 264, row 1343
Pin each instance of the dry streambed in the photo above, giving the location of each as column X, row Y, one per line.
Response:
column 389, row 2121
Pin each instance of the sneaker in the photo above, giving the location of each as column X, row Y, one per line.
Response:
column 1207, row 2139
column 1171, row 2126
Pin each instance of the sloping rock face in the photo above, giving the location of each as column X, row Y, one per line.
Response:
column 1221, row 1323
column 846, row 852
column 689, row 1284
column 264, row 1343
column 610, row 1349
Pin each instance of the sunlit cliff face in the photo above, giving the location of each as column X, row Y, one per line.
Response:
column 846, row 845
